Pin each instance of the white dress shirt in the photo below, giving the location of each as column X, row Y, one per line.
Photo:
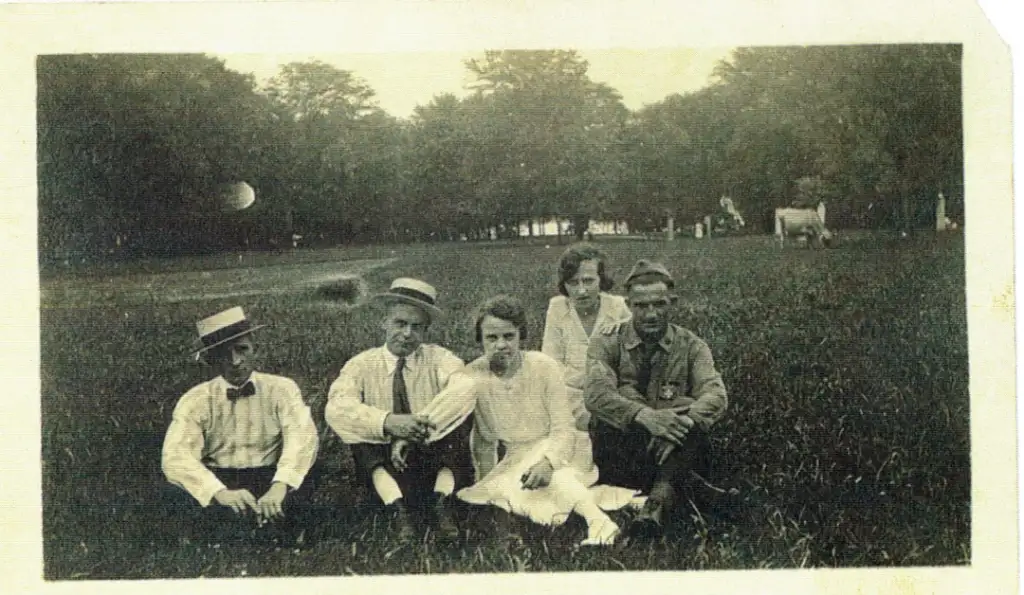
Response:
column 271, row 427
column 361, row 397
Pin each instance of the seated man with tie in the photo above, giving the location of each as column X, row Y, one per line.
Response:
column 244, row 440
column 373, row 407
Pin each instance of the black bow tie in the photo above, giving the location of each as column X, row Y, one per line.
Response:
column 247, row 390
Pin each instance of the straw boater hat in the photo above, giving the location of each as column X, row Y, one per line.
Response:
column 413, row 292
column 223, row 327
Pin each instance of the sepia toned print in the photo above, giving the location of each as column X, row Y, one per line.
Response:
column 767, row 361
column 845, row 441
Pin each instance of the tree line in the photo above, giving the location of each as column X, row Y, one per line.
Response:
column 129, row 146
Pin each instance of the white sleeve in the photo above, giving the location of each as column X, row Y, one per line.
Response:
column 354, row 421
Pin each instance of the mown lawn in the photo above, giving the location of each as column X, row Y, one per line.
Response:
column 848, row 429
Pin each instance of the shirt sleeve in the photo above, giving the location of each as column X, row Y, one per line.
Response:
column 561, row 439
column 711, row 399
column 354, row 421
column 451, row 406
column 299, row 435
column 552, row 344
column 181, row 458
column 609, row 397
column 483, row 452
column 447, row 364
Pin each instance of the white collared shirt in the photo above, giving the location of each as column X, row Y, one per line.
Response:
column 361, row 397
column 271, row 427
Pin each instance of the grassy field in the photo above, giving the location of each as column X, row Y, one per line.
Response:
column 847, row 433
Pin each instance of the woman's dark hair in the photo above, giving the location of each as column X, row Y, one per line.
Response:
column 574, row 256
column 505, row 308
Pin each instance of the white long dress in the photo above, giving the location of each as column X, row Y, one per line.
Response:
column 530, row 413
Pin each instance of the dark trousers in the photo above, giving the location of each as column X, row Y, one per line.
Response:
column 623, row 459
column 184, row 516
column 424, row 461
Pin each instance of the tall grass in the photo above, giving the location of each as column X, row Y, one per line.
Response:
column 847, row 430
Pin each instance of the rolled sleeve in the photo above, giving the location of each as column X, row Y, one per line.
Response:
column 354, row 421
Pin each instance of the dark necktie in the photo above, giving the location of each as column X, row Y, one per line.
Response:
column 398, row 390
column 246, row 390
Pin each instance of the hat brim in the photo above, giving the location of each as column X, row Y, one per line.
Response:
column 248, row 331
column 390, row 298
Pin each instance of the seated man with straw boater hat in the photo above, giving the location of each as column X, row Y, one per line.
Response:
column 242, row 445
column 374, row 403
column 655, row 395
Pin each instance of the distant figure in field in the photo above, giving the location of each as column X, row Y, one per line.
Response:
column 518, row 399
column 244, row 441
column 375, row 405
column 655, row 393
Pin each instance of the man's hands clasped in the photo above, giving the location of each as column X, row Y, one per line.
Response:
column 672, row 425
column 414, row 428
column 269, row 507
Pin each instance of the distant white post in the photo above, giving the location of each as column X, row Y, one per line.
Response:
column 821, row 212
column 698, row 230
column 707, row 224
column 671, row 228
column 940, row 213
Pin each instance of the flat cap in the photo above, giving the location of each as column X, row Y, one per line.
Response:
column 646, row 271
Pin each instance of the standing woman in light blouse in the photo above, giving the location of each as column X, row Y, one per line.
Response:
column 583, row 310
column 518, row 399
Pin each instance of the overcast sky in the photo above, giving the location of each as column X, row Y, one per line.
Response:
column 403, row 81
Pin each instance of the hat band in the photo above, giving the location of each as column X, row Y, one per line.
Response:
column 412, row 293
column 226, row 332
column 647, row 277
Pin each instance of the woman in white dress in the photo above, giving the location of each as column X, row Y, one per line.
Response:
column 518, row 398
column 583, row 310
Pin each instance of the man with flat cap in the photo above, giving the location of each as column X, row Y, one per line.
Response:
column 244, row 441
column 373, row 406
column 654, row 394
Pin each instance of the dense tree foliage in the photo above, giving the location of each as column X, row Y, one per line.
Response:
column 130, row 147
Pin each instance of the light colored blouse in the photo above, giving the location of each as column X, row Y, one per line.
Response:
column 565, row 339
column 529, row 406
column 271, row 427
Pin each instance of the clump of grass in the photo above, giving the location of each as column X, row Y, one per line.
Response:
column 346, row 291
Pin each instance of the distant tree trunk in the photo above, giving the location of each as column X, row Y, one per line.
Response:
column 580, row 222
column 558, row 226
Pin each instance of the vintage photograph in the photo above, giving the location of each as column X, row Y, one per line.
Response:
column 418, row 296
column 505, row 310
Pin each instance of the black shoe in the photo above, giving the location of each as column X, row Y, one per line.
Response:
column 443, row 519
column 401, row 520
column 651, row 520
